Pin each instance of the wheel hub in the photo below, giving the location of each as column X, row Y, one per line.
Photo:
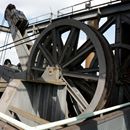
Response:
column 53, row 75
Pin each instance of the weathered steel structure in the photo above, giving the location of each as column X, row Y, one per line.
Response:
column 54, row 83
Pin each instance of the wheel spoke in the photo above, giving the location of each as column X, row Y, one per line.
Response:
column 37, row 69
column 80, row 75
column 79, row 61
column 71, row 42
column 47, row 41
column 78, row 58
column 87, row 87
column 46, row 54
column 75, row 93
column 40, row 60
column 88, row 70
column 74, row 43
column 85, row 45
column 58, row 44
column 54, row 41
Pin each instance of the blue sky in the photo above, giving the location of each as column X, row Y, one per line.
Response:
column 34, row 8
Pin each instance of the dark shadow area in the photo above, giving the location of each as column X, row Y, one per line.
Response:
column 1, row 94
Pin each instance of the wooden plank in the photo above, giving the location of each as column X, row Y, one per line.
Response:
column 27, row 115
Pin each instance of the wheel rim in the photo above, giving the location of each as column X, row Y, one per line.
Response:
column 87, row 87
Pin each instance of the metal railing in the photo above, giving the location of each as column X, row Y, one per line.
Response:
column 80, row 7
column 41, row 18
column 74, row 8
column 70, row 10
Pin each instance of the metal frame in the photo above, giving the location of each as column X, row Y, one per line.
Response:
column 117, row 15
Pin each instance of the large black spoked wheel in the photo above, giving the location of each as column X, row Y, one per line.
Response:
column 61, row 50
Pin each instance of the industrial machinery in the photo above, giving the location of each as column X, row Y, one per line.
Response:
column 55, row 82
